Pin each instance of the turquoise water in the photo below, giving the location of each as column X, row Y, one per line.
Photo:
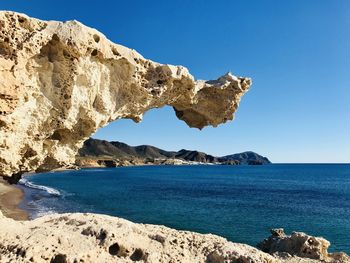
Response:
column 240, row 203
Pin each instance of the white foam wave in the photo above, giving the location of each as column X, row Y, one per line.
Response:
column 49, row 190
column 44, row 212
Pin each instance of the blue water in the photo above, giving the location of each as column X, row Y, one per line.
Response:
column 240, row 203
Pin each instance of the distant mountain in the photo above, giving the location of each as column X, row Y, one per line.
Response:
column 118, row 150
column 245, row 158
column 195, row 156
column 101, row 148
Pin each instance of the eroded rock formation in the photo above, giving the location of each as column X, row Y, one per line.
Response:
column 300, row 245
column 61, row 81
column 101, row 238
column 70, row 238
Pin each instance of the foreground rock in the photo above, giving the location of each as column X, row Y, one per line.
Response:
column 99, row 238
column 61, row 81
column 291, row 248
column 69, row 238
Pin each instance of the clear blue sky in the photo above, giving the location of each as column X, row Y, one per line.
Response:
column 297, row 52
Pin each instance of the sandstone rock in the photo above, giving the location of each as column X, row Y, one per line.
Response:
column 300, row 245
column 100, row 238
column 61, row 81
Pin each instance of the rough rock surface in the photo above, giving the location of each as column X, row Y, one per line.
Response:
column 300, row 245
column 70, row 238
column 100, row 238
column 61, row 81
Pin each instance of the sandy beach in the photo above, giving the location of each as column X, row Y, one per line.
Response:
column 10, row 198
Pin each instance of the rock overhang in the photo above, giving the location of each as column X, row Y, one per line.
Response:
column 61, row 81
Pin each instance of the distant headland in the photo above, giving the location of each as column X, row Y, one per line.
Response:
column 97, row 153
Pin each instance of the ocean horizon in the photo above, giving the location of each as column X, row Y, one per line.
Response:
column 240, row 203
column 161, row 127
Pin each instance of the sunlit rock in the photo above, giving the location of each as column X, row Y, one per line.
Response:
column 61, row 81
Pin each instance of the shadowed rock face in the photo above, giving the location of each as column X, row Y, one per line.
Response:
column 61, row 81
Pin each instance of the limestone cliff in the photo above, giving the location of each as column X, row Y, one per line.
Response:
column 61, row 81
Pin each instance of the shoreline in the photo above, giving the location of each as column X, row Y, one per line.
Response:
column 76, row 224
column 10, row 199
column 95, row 238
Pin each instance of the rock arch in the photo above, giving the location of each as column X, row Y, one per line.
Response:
column 61, row 81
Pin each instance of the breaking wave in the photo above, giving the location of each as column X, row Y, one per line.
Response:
column 49, row 190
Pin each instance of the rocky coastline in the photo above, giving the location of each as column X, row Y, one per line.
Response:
column 101, row 153
column 70, row 238
column 59, row 83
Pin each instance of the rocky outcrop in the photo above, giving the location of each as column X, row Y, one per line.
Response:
column 100, row 238
column 195, row 156
column 300, row 245
column 248, row 157
column 61, row 81
column 95, row 238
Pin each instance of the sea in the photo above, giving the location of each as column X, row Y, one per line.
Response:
column 240, row 203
